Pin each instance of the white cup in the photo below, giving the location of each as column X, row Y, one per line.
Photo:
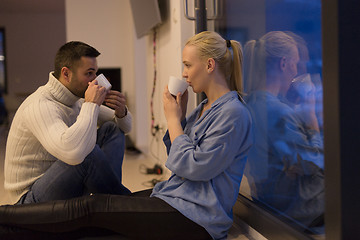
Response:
column 177, row 85
column 102, row 81
column 303, row 84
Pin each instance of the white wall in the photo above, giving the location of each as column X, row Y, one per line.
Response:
column 108, row 26
column 171, row 37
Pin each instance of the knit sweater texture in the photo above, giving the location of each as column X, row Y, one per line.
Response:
column 52, row 124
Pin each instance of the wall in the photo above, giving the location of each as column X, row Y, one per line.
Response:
column 106, row 25
column 32, row 39
column 171, row 37
column 109, row 27
column 34, row 35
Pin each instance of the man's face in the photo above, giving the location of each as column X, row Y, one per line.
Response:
column 84, row 73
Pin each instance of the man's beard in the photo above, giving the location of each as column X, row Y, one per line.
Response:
column 76, row 91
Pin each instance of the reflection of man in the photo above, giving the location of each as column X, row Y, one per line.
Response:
column 285, row 165
column 54, row 149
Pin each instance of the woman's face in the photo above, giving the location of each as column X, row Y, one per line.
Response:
column 195, row 69
column 292, row 63
column 289, row 70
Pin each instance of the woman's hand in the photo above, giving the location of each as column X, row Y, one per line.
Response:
column 174, row 108
column 306, row 108
column 175, row 111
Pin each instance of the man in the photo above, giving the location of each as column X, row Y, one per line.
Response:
column 63, row 141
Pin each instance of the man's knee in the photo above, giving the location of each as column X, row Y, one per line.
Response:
column 109, row 131
column 109, row 127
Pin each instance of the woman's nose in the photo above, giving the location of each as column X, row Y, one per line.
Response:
column 184, row 74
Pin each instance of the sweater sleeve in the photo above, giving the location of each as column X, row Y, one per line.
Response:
column 108, row 114
column 70, row 144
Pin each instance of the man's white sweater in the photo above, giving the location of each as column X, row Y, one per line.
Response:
column 51, row 124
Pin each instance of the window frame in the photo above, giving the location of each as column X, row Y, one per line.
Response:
column 341, row 50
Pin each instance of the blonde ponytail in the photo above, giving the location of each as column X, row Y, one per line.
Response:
column 236, row 78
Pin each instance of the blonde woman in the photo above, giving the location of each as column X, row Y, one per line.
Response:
column 207, row 152
column 207, row 155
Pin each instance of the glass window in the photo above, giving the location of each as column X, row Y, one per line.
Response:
column 282, row 47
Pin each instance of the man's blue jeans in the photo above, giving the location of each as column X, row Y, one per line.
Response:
column 100, row 172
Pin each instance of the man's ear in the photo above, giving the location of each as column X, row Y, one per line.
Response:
column 211, row 65
column 66, row 74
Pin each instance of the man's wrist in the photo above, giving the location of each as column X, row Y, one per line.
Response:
column 126, row 111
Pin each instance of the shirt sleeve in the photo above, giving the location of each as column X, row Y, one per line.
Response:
column 293, row 142
column 70, row 144
column 166, row 138
column 200, row 159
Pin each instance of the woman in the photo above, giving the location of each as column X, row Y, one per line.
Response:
column 206, row 153
column 285, row 165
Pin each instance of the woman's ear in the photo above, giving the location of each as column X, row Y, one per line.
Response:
column 283, row 62
column 211, row 65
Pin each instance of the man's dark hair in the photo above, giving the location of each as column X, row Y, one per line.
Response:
column 69, row 55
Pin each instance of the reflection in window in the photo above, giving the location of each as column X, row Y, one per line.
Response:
column 285, row 166
column 283, row 89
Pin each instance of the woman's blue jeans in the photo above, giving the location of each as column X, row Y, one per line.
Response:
column 100, row 172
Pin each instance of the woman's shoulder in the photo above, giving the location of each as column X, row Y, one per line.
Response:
column 233, row 110
column 234, row 105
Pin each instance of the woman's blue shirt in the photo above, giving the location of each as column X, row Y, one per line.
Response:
column 207, row 164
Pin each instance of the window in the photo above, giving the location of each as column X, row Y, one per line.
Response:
column 283, row 88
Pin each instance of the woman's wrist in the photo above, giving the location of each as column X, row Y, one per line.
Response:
column 175, row 128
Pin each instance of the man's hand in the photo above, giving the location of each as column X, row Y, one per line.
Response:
column 116, row 100
column 95, row 93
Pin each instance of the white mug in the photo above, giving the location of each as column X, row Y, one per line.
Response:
column 302, row 84
column 102, row 81
column 177, row 85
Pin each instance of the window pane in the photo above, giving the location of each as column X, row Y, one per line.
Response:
column 283, row 89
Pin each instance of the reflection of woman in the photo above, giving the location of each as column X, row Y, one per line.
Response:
column 207, row 153
column 285, row 166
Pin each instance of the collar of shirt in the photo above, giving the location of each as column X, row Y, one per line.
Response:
column 221, row 100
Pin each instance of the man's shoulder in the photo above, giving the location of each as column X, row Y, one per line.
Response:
column 37, row 100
